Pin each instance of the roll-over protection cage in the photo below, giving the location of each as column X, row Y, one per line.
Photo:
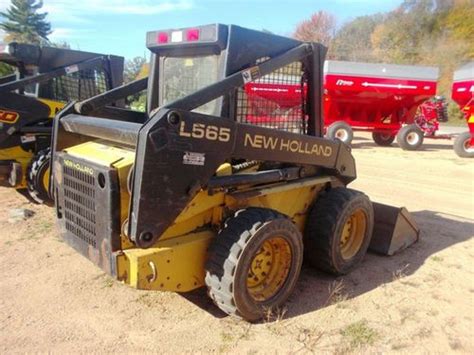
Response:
column 49, row 73
column 58, row 73
column 197, row 119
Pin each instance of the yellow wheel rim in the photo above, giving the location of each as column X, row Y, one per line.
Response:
column 269, row 269
column 353, row 234
column 46, row 179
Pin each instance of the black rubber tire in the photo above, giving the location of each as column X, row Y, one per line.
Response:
column 382, row 139
column 37, row 169
column 231, row 253
column 460, row 146
column 324, row 226
column 403, row 135
column 337, row 126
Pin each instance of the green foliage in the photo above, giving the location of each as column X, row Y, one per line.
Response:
column 139, row 104
column 359, row 334
column 133, row 68
column 23, row 23
column 455, row 114
column 6, row 69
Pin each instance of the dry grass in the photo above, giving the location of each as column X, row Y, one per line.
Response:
column 359, row 334
column 336, row 293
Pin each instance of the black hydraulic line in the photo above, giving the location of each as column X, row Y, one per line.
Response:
column 115, row 131
column 260, row 177
column 41, row 78
column 87, row 106
column 35, row 130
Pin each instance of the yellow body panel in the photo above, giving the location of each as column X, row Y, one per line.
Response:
column 176, row 262
column 173, row 265
column 99, row 152
column 21, row 156
column 54, row 106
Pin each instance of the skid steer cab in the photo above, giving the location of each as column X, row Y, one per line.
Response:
column 194, row 193
column 45, row 79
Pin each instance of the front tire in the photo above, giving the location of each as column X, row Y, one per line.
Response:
column 462, row 147
column 38, row 177
column 338, row 230
column 410, row 137
column 383, row 139
column 254, row 263
column 342, row 131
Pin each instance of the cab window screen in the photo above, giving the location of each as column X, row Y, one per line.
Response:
column 185, row 75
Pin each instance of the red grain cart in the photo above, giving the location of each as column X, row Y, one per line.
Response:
column 463, row 94
column 383, row 99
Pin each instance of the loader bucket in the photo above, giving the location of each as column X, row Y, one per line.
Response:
column 394, row 230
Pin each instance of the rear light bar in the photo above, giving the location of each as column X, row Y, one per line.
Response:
column 208, row 34
column 4, row 48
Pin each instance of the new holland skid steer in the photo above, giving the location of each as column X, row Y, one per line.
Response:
column 46, row 79
column 191, row 194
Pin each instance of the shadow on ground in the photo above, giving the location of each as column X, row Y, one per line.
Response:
column 438, row 232
column 428, row 145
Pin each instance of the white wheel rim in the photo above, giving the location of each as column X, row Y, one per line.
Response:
column 342, row 134
column 467, row 147
column 413, row 138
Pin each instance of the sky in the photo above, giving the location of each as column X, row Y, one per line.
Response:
column 119, row 26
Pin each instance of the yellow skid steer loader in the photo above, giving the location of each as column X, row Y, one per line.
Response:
column 191, row 194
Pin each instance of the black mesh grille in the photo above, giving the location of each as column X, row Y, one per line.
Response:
column 76, row 86
column 276, row 100
column 79, row 205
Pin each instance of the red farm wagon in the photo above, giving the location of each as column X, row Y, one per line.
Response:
column 463, row 95
column 388, row 100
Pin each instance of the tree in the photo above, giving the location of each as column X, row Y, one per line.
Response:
column 133, row 68
column 352, row 41
column 23, row 23
column 136, row 68
column 320, row 27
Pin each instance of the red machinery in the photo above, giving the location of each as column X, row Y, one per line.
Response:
column 463, row 95
column 430, row 114
column 383, row 99
column 387, row 100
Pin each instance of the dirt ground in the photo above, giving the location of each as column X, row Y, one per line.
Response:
column 422, row 300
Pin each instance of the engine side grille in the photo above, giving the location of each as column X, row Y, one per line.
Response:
column 80, row 205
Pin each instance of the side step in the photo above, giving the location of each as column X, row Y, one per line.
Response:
column 394, row 229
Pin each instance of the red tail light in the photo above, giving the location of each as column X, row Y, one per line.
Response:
column 192, row 35
column 162, row 37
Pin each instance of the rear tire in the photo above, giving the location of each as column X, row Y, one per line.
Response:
column 461, row 146
column 38, row 177
column 410, row 137
column 254, row 263
column 338, row 230
column 342, row 131
column 383, row 139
